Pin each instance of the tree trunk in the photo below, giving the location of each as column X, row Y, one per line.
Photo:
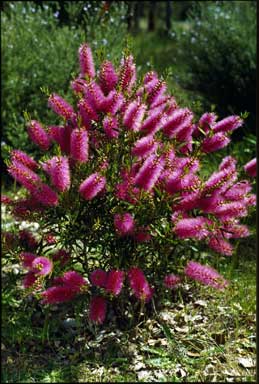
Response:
column 151, row 16
column 168, row 16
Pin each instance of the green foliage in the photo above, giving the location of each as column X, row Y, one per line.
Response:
column 39, row 51
column 219, row 48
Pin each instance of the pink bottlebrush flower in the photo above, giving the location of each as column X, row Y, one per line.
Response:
column 23, row 158
column 188, row 201
column 238, row 191
column 141, row 235
column 144, row 146
column 206, row 122
column 91, row 186
column 205, row 275
column 6, row 200
column 195, row 228
column 61, row 107
column 113, row 102
column 62, row 136
column 228, row 124
column 171, row 106
column 180, row 117
column 79, row 85
column 98, row 278
column 149, row 173
column 219, row 180
column 38, row 135
column 230, row 210
column 79, row 145
column 250, row 168
column 24, row 175
column 235, row 231
column 45, row 195
column 124, row 223
column 86, row 61
column 114, row 282
column 58, row 281
column 87, row 113
column 178, row 215
column 133, row 115
column 250, row 200
column 29, row 280
column 220, row 245
column 228, row 162
column 171, row 281
column 139, row 284
column 27, row 259
column 42, row 266
column 59, row 294
column 50, row 239
column 108, row 77
column 157, row 93
column 153, row 122
column 214, row 143
column 28, row 239
column 177, row 182
column 152, row 75
column 111, row 127
column 61, row 256
column 94, row 96
column 209, row 203
column 74, row 280
column 127, row 76
column 97, row 310
column 58, row 169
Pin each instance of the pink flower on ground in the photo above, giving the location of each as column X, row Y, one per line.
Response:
column 86, row 61
column 170, row 281
column 97, row 310
column 250, row 168
column 56, row 295
column 139, row 284
column 79, row 145
column 93, row 185
column 114, row 282
column 205, row 275
column 98, row 278
column 195, row 228
column 124, row 223
column 42, row 266
column 38, row 135
column 23, row 158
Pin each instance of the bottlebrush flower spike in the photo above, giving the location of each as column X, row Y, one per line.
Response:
column 133, row 115
column 214, row 143
column 38, row 135
column 6, row 200
column 74, row 280
column 58, row 169
column 27, row 259
column 230, row 210
column 206, row 122
column 171, row 281
column 153, row 122
column 144, row 146
column 149, row 173
column 94, row 96
column 24, row 175
column 97, row 311
column 114, row 282
column 205, row 275
column 195, row 228
column 238, row 191
column 86, row 61
column 45, row 195
column 98, row 278
column 228, row 124
column 29, row 280
column 56, row 295
column 61, row 107
column 124, row 223
column 62, row 136
column 108, row 77
column 87, row 113
column 139, row 284
column 127, row 76
column 23, row 158
column 142, row 235
column 61, row 256
column 42, row 266
column 113, row 102
column 27, row 239
column 220, row 245
column 250, row 168
column 179, row 118
column 79, row 145
column 93, row 185
column 228, row 162
column 79, row 85
column 111, row 127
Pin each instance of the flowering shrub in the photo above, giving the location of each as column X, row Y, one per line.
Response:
column 120, row 188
